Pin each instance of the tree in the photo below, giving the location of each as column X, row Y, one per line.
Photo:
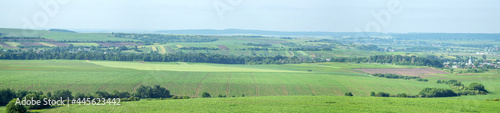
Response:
column 36, row 97
column 372, row 94
column 13, row 108
column 382, row 94
column 6, row 95
column 484, row 57
column 348, row 94
column 205, row 95
column 477, row 86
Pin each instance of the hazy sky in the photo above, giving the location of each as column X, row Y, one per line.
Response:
column 457, row 16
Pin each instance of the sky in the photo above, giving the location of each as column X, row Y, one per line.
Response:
column 394, row 16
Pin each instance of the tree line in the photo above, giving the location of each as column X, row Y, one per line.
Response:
column 393, row 59
column 8, row 96
column 395, row 76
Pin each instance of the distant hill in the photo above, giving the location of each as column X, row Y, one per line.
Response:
column 254, row 32
column 62, row 30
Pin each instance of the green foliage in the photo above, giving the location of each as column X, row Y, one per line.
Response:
column 152, row 92
column 477, row 86
column 382, row 94
column 437, row 92
column 205, row 95
column 6, row 95
column 62, row 94
column 395, row 76
column 35, row 96
column 348, row 94
column 372, row 93
column 13, row 108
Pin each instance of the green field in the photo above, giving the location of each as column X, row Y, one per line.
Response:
column 193, row 78
column 311, row 104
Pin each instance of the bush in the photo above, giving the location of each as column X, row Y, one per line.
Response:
column 382, row 94
column 153, row 92
column 185, row 97
column 13, row 108
column 36, row 97
column 477, row 86
column 205, row 95
column 372, row 94
column 348, row 94
column 6, row 95
column 437, row 92
column 62, row 93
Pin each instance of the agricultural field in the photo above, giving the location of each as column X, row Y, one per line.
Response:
column 294, row 104
column 193, row 78
column 420, row 72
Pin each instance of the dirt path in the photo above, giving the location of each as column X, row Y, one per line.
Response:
column 228, row 85
column 256, row 86
column 199, row 85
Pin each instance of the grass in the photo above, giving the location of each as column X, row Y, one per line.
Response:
column 193, row 78
column 312, row 104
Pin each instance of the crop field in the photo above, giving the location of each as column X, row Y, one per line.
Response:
column 12, row 44
column 193, row 78
column 179, row 46
column 153, row 48
column 59, row 44
column 3, row 44
column 422, row 72
column 48, row 44
column 31, row 44
column 84, row 44
column 162, row 50
column 294, row 104
column 119, row 44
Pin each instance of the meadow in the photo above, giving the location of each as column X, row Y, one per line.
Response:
column 193, row 78
column 311, row 104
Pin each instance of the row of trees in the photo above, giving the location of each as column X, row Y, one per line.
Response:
column 198, row 48
column 393, row 59
column 395, row 76
column 258, row 44
column 191, row 57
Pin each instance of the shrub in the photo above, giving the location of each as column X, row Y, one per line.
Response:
column 437, row 92
column 382, row 94
column 36, row 97
column 348, row 94
column 205, row 95
column 372, row 94
column 6, row 95
column 13, row 108
column 185, row 97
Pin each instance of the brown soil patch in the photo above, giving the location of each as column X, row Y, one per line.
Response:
column 222, row 47
column 422, row 72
